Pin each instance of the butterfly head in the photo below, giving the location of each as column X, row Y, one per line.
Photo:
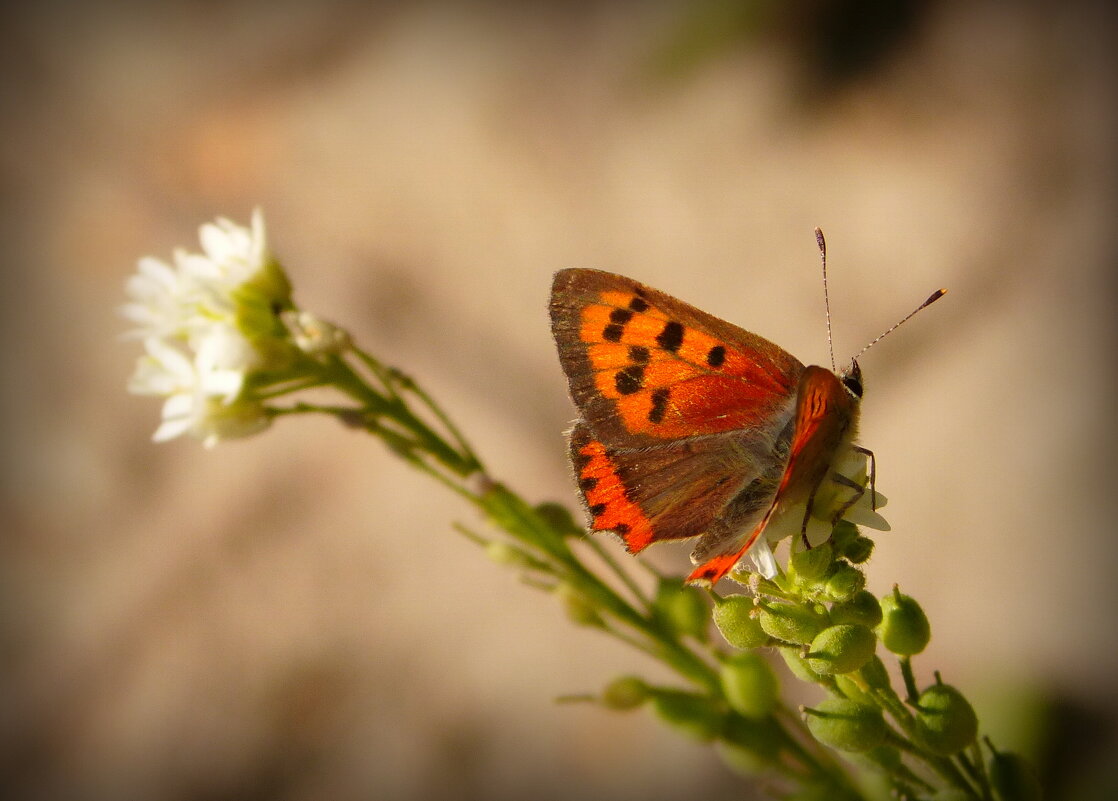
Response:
column 851, row 378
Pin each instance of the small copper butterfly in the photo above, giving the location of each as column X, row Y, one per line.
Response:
column 690, row 426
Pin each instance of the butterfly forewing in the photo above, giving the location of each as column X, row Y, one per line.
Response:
column 644, row 367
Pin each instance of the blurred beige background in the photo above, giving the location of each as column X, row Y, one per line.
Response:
column 291, row 616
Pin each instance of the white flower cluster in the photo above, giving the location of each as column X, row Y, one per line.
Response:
column 201, row 321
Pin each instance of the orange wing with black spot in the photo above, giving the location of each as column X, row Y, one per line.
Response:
column 686, row 419
column 645, row 367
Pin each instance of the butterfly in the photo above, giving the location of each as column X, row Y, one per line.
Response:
column 691, row 426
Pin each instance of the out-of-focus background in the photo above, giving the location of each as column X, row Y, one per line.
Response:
column 291, row 616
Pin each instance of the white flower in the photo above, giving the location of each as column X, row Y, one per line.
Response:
column 162, row 302
column 235, row 270
column 203, row 393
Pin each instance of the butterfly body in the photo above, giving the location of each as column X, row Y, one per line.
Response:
column 690, row 426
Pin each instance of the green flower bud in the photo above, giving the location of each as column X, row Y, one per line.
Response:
column 861, row 608
column 748, row 746
column 875, row 675
column 845, row 582
column 945, row 721
column 841, row 649
column 559, row 517
column 790, row 623
column 502, row 553
column 842, row 535
column 624, row 692
column 682, row 609
column 883, row 758
column 580, row 611
column 852, row 689
column 904, row 628
column 1012, row 777
column 696, row 716
column 846, row 725
column 734, row 616
column 813, row 564
column 798, row 665
column 858, row 550
column 749, row 684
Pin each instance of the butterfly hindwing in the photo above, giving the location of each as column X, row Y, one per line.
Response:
column 713, row 487
column 644, row 367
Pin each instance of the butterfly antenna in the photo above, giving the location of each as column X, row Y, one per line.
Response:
column 939, row 293
column 826, row 297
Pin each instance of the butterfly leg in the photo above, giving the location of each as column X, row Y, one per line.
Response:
column 859, row 491
column 807, row 515
column 873, row 474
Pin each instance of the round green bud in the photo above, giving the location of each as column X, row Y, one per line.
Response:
column 798, row 665
column 846, row 725
column 883, row 758
column 850, row 687
column 749, row 684
column 502, row 553
column 945, row 720
column 735, row 617
column 579, row 610
column 875, row 675
column 858, row 550
column 790, row 623
column 904, row 628
column 813, row 564
column 683, row 609
column 841, row 649
column 845, row 582
column 559, row 517
column 1013, row 778
column 696, row 716
column 860, row 608
column 624, row 692
column 842, row 535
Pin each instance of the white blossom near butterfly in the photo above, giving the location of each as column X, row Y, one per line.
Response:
column 210, row 324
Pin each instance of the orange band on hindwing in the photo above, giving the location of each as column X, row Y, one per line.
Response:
column 604, row 492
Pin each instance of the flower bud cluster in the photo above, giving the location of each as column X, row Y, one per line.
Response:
column 827, row 627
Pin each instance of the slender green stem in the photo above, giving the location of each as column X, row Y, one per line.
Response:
column 911, row 692
column 394, row 408
column 620, row 572
column 382, row 373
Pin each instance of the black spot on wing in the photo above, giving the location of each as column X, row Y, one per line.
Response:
column 629, row 379
column 716, row 356
column 671, row 337
column 638, row 354
column 659, row 405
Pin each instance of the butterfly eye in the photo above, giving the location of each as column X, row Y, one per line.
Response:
column 852, row 379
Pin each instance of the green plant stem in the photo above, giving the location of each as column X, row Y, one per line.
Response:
column 343, row 377
column 618, row 571
column 912, row 693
